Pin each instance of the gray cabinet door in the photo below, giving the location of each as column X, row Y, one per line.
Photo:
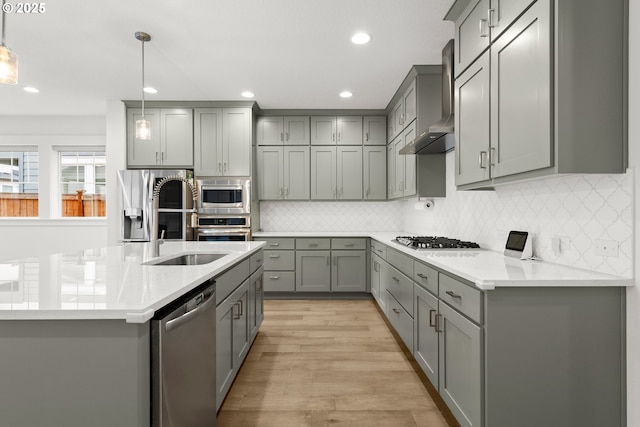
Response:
column 502, row 13
column 375, row 130
column 349, row 271
column 471, row 34
column 207, row 142
column 323, row 173
column 391, row 171
column 385, row 277
column 256, row 304
column 349, row 130
column 398, row 143
column 398, row 115
column 375, row 276
column 390, row 127
column 374, row 162
column 425, row 337
column 409, row 187
column 270, row 173
column 521, row 72
column 296, row 130
column 323, row 130
column 241, row 325
column 460, row 366
column 176, row 137
column 296, row 173
column 349, row 173
column 225, row 371
column 143, row 152
column 236, row 137
column 270, row 130
column 472, row 95
column 409, row 100
column 313, row 271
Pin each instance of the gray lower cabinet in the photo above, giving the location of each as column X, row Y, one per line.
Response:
column 425, row 338
column 256, row 302
column 348, row 272
column 279, row 265
column 374, row 275
column 313, row 271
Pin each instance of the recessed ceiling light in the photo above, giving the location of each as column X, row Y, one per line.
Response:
column 150, row 90
column 346, row 94
column 361, row 38
column 248, row 94
column 31, row 89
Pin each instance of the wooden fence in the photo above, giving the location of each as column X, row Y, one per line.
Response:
column 26, row 204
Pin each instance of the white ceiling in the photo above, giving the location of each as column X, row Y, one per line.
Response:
column 290, row 53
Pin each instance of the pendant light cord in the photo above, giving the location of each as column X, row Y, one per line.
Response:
column 142, row 77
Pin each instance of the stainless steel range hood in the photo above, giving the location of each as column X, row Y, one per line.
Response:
column 439, row 137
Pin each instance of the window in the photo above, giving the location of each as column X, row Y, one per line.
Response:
column 19, row 183
column 83, row 183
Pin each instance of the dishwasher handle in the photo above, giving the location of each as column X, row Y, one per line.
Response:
column 202, row 301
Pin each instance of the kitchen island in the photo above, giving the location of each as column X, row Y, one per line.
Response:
column 75, row 332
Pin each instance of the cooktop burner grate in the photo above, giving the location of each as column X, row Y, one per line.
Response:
column 433, row 242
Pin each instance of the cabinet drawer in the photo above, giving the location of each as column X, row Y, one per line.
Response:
column 313, row 243
column 400, row 261
column 426, row 277
column 228, row 281
column 278, row 243
column 347, row 244
column 379, row 249
column 279, row 260
column 462, row 297
column 279, row 281
column 401, row 287
column 401, row 321
column 256, row 260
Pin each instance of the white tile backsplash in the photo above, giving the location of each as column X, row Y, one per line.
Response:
column 578, row 209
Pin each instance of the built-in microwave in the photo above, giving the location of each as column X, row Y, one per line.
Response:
column 224, row 196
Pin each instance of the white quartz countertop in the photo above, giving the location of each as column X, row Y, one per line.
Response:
column 485, row 268
column 108, row 283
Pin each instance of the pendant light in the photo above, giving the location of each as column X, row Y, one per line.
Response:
column 8, row 58
column 143, row 127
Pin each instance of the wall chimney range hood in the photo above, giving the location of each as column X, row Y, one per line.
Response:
column 439, row 137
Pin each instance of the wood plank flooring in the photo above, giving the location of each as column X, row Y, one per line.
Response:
column 329, row 363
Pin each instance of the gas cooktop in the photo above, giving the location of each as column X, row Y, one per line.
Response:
column 432, row 242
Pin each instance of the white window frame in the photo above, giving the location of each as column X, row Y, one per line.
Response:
column 56, row 202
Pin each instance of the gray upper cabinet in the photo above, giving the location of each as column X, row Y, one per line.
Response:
column 375, row 130
column 323, row 130
column 405, row 109
column 283, row 173
column 542, row 96
column 323, row 173
column 207, row 141
column 391, row 171
column 472, row 122
column 404, row 169
column 521, row 94
column 349, row 130
column 223, row 141
column 171, row 143
column 471, row 33
column 374, row 162
column 283, row 130
column 349, row 173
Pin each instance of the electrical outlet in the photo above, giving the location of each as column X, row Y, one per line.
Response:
column 607, row 248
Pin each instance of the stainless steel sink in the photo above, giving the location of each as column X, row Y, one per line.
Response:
column 189, row 259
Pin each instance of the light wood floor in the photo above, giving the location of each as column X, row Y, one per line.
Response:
column 329, row 363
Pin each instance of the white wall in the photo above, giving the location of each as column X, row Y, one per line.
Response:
column 21, row 237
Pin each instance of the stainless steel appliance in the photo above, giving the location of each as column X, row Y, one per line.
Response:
column 183, row 361
column 175, row 205
column 433, row 242
column 224, row 228
column 224, row 196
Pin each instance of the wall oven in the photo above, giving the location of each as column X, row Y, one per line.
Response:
column 224, row 196
column 224, row 228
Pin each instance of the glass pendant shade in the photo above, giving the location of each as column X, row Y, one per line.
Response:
column 8, row 66
column 143, row 129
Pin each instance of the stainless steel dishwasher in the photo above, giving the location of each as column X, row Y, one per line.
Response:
column 183, row 361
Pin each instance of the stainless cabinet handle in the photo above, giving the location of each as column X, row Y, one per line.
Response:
column 274, row 244
column 438, row 317
column 349, row 245
column 274, row 277
column 333, row 138
column 367, row 136
column 395, row 279
column 453, row 295
column 484, row 28
column 380, row 250
column 481, row 159
column 281, row 136
column 313, row 245
column 491, row 13
column 274, row 256
column 258, row 261
column 395, row 310
column 287, row 136
column 239, row 315
column 286, row 191
column 156, row 157
column 375, row 266
column 432, row 322
column 422, row 276
column 338, row 136
column 492, row 157
column 281, row 192
column 219, row 167
column 366, row 192
column 241, row 307
column 225, row 167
